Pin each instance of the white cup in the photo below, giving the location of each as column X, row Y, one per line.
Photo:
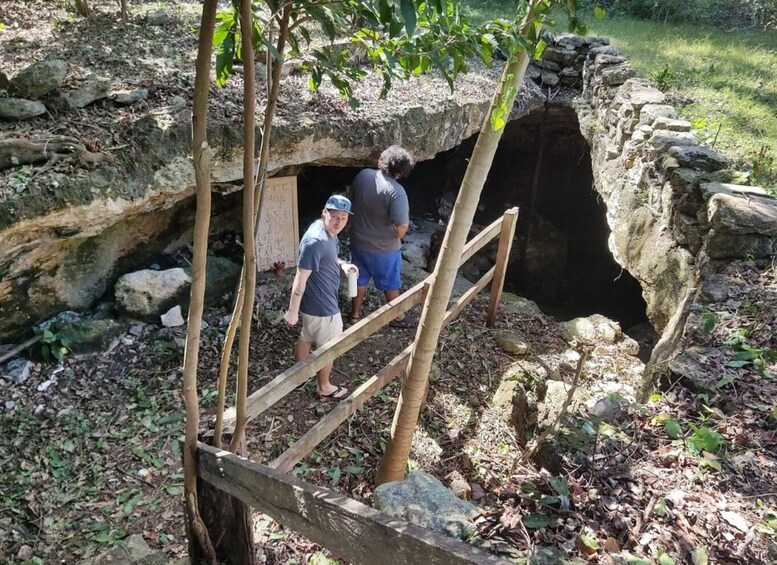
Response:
column 351, row 284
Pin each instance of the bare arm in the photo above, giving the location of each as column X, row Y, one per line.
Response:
column 297, row 290
column 401, row 230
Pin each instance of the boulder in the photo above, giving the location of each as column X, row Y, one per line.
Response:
column 39, row 79
column 20, row 109
column 423, row 500
column 148, row 294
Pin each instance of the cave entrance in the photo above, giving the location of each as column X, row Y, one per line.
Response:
column 567, row 267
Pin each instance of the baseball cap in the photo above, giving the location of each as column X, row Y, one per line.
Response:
column 340, row 203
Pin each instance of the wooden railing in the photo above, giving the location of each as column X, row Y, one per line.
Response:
column 355, row 532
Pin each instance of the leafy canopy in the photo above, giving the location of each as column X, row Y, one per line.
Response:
column 398, row 37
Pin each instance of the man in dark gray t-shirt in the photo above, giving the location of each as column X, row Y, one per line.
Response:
column 315, row 286
column 381, row 218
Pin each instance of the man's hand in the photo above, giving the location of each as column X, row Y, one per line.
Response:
column 349, row 268
column 291, row 318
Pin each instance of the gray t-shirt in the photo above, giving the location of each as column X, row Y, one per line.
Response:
column 379, row 203
column 318, row 253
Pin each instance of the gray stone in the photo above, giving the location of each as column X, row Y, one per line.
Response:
column 132, row 551
column 88, row 335
column 5, row 83
column 39, row 79
column 695, row 157
column 715, row 288
column 709, row 189
column 651, row 112
column 603, row 50
column 157, row 17
column 130, row 96
column 593, row 329
column 20, row 109
column 548, row 65
column 661, row 141
column 511, row 343
column 423, row 500
column 617, row 74
column 638, row 93
column 671, row 124
column 564, row 57
column 17, row 371
column 738, row 215
column 148, row 294
column 93, row 90
column 519, row 306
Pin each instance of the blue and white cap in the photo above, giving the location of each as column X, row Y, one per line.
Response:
column 339, row 203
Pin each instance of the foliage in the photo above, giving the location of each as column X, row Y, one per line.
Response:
column 399, row 38
column 722, row 13
column 54, row 346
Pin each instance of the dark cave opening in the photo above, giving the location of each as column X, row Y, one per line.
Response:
column 567, row 267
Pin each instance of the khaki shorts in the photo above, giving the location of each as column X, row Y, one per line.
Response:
column 320, row 329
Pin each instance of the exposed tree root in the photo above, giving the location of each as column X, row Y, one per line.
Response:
column 17, row 152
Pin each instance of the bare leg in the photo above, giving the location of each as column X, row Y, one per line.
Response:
column 324, row 386
column 301, row 350
column 357, row 301
column 391, row 295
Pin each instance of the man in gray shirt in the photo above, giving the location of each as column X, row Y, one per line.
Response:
column 315, row 286
column 380, row 221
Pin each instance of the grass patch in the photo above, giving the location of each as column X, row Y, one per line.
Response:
column 724, row 83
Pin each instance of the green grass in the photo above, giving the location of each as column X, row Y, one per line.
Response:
column 724, row 83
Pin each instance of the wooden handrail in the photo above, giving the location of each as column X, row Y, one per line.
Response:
column 355, row 532
column 291, row 378
column 308, row 442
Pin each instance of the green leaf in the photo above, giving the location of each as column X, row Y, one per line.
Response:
column 225, row 58
column 664, row 559
column 173, row 490
column 724, row 382
column 635, row 560
column 560, row 485
column 353, row 470
column 535, row 521
column 335, row 473
column 407, row 7
column 705, row 439
column 589, row 541
column 673, row 429
column 711, row 463
column 599, row 12
column 659, row 508
column 129, row 506
column 699, row 556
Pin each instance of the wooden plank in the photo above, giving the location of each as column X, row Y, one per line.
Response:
column 291, row 378
column 355, row 532
column 308, row 442
column 480, row 240
column 502, row 258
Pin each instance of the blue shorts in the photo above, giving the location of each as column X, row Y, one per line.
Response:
column 383, row 268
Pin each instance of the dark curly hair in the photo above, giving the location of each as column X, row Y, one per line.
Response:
column 396, row 161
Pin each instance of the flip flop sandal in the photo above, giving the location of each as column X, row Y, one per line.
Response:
column 337, row 394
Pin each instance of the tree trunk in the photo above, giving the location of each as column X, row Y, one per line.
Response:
column 200, row 545
column 249, row 258
column 394, row 462
column 124, row 10
column 229, row 522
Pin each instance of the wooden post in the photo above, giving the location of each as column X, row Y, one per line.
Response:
column 502, row 257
